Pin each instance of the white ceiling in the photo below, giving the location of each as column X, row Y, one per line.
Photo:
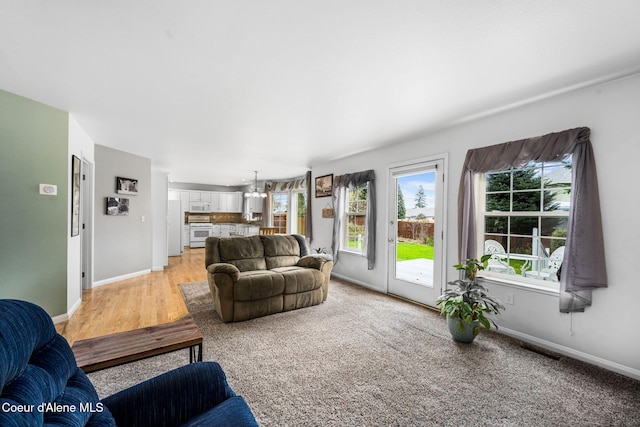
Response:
column 212, row 90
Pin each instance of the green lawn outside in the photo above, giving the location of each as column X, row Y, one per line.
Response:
column 407, row 251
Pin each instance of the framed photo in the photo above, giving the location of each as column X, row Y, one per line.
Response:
column 117, row 206
column 126, row 186
column 323, row 185
column 75, row 196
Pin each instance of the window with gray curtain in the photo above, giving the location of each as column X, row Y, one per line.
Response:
column 294, row 185
column 583, row 265
column 364, row 179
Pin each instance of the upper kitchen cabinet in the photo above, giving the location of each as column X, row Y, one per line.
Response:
column 200, row 196
column 253, row 205
column 208, row 201
column 226, row 202
column 234, row 202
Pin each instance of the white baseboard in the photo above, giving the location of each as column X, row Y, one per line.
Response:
column 157, row 268
column 566, row 351
column 59, row 319
column 118, row 278
column 357, row 282
column 74, row 307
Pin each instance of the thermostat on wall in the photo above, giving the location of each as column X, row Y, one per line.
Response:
column 49, row 189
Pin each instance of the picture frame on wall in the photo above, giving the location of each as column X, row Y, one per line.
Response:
column 75, row 196
column 126, row 186
column 323, row 185
column 117, row 206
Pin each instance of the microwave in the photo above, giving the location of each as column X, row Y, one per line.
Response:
column 199, row 207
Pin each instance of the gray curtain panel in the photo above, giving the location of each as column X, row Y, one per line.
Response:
column 583, row 267
column 345, row 181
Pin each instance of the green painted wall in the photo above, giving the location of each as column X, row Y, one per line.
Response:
column 33, row 227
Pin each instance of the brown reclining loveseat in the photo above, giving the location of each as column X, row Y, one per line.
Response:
column 256, row 276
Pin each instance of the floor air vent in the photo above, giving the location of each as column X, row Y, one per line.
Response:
column 542, row 351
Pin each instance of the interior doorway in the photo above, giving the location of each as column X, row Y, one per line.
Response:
column 86, row 224
column 416, row 230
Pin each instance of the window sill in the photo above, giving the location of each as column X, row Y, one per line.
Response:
column 351, row 252
column 551, row 289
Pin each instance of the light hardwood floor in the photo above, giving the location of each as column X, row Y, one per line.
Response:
column 142, row 301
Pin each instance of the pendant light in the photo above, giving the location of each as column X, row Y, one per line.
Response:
column 256, row 192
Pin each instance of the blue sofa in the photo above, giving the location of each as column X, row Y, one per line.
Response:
column 42, row 385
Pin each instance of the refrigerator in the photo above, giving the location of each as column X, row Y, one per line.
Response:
column 174, row 229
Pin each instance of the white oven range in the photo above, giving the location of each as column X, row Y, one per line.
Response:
column 198, row 233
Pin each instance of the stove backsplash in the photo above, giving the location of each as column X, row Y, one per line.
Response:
column 218, row 217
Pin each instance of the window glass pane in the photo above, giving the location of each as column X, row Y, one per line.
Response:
column 557, row 173
column 526, row 201
column 527, row 178
column 498, row 181
column 301, row 209
column 500, row 239
column 519, row 245
column 557, row 200
column 498, row 202
column 356, row 209
column 496, row 224
column 551, row 244
column 280, row 207
column 555, row 228
column 523, row 225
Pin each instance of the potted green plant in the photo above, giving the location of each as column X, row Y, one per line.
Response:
column 467, row 303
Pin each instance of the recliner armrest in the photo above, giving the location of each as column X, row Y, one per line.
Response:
column 313, row 261
column 172, row 398
column 225, row 268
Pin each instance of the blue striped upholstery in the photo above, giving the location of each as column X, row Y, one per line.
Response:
column 42, row 385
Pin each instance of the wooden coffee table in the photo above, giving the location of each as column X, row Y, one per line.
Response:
column 98, row 353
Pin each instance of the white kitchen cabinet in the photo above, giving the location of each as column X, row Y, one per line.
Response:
column 233, row 202
column 200, row 196
column 215, row 202
column 254, row 205
column 226, row 202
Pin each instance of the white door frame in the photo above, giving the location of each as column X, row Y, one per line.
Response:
column 418, row 293
column 87, row 197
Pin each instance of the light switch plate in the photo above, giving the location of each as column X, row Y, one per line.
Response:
column 49, row 189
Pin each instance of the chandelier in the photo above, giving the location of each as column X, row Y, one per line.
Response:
column 256, row 192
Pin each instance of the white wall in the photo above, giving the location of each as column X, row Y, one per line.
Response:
column 80, row 145
column 605, row 334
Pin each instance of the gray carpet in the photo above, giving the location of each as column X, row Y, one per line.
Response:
column 367, row 359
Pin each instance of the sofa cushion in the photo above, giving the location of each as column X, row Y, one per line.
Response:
column 246, row 253
column 300, row 279
column 280, row 251
column 257, row 285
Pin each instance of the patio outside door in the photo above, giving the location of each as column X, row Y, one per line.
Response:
column 416, row 232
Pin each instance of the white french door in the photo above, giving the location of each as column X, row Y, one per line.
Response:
column 416, row 230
